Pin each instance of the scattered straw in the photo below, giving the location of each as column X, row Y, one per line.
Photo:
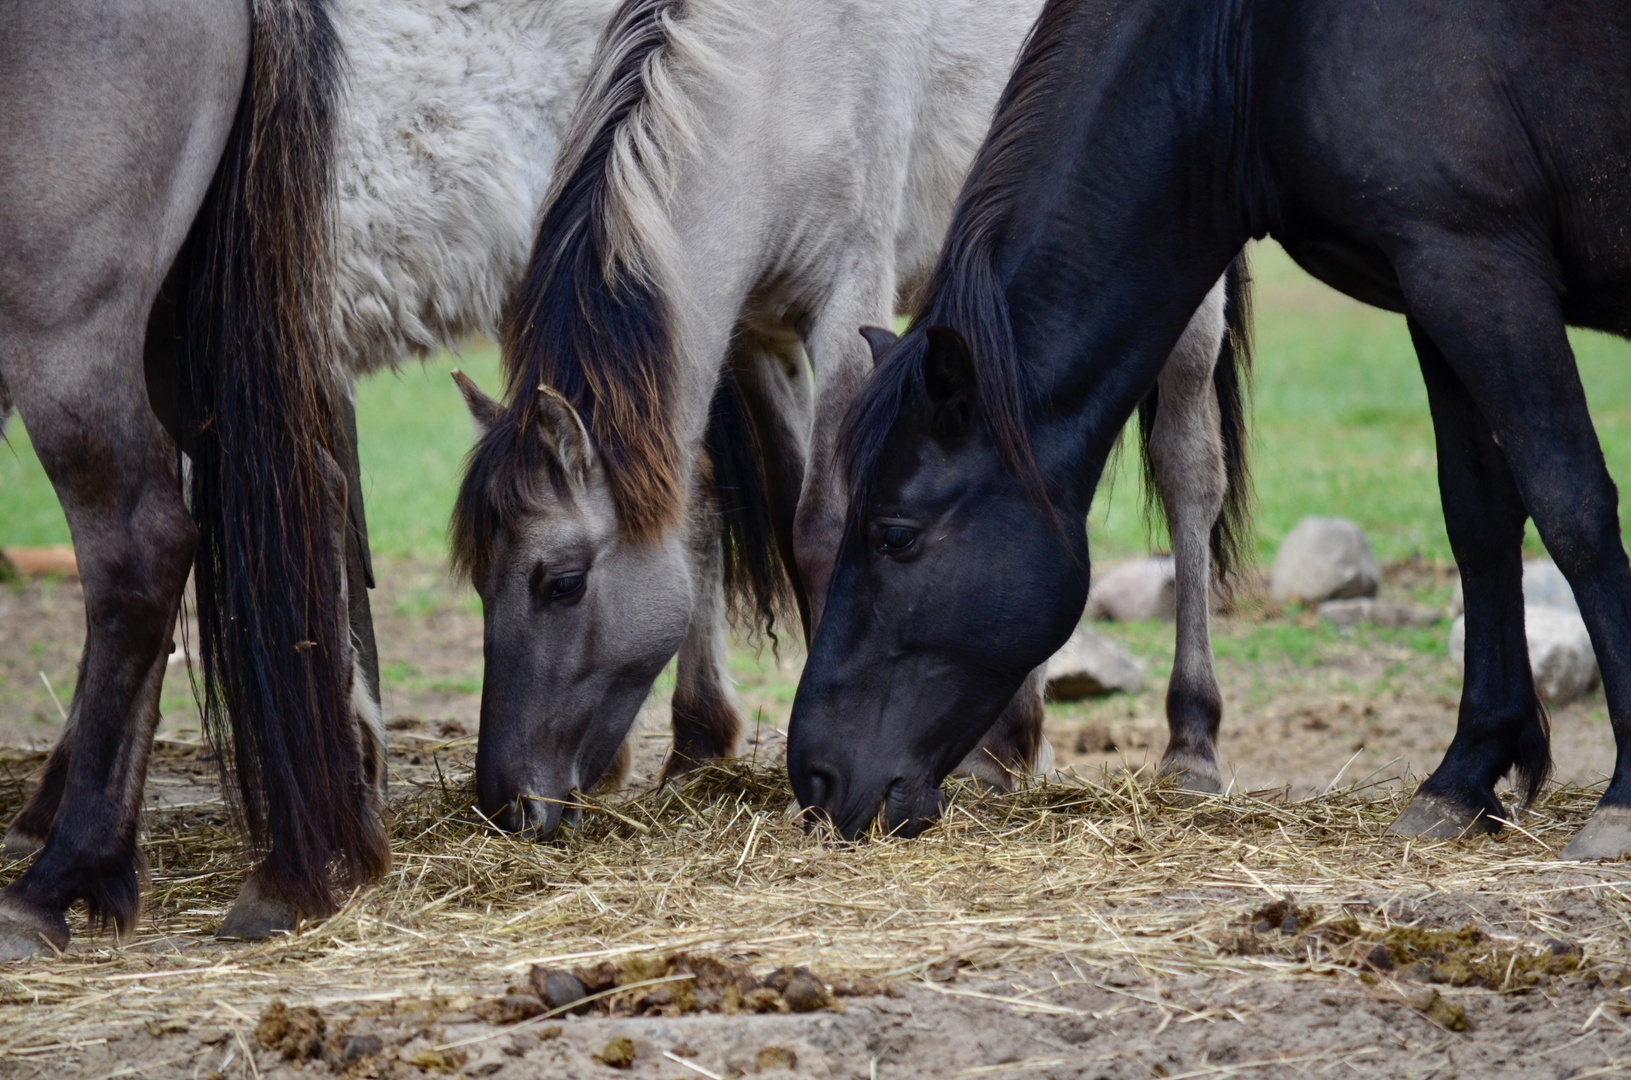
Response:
column 1086, row 876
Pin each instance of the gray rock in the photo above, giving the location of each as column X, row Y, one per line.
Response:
column 1545, row 586
column 1394, row 614
column 1091, row 665
column 1324, row 559
column 1560, row 654
column 1135, row 591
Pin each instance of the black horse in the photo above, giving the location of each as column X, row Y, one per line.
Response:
column 1466, row 163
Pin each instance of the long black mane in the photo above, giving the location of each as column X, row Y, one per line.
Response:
column 967, row 293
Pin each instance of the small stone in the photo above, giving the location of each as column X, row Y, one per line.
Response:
column 1092, row 665
column 1393, row 614
column 1324, row 559
column 619, row 1053
column 776, row 1057
column 558, row 989
column 1560, row 653
column 1135, row 591
column 1095, row 738
column 1545, row 586
column 357, row 1046
column 804, row 993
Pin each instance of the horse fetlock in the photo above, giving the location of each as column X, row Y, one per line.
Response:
column 20, row 843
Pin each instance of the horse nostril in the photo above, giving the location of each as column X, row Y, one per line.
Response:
column 897, row 803
column 826, row 785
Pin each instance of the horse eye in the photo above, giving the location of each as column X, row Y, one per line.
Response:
column 566, row 587
column 896, row 539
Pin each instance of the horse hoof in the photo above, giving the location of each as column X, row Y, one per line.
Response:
column 257, row 914
column 1192, row 775
column 1431, row 817
column 26, row 931
column 19, row 846
column 1606, row 836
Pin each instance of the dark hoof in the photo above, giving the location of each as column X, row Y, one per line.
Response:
column 19, row 846
column 257, row 914
column 1192, row 773
column 1432, row 817
column 1606, row 836
column 26, row 931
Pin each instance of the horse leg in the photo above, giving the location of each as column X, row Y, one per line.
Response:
column 112, row 465
column 1014, row 746
column 259, row 910
column 1186, row 451
column 841, row 362
column 1500, row 720
column 1499, row 327
column 706, row 726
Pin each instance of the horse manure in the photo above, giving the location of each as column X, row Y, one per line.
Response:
column 1469, row 957
column 943, row 970
column 1095, row 738
column 440, row 1061
column 863, row 986
column 510, row 1009
column 804, row 993
column 402, row 723
column 764, row 1000
column 451, row 729
column 1444, row 1013
column 619, row 1053
column 296, row 1033
column 776, row 1057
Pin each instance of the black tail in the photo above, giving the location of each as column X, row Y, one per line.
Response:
column 259, row 420
column 1232, row 533
column 758, row 589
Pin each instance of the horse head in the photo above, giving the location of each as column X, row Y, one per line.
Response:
column 578, row 618
column 950, row 586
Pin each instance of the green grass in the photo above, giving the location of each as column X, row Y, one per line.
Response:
column 1340, row 421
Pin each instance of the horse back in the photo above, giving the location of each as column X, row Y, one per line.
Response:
column 1503, row 117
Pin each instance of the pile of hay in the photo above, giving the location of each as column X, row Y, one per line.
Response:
column 1071, row 872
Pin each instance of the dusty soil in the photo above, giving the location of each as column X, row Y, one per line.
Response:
column 1304, row 706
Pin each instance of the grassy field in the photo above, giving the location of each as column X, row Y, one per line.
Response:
column 1341, row 427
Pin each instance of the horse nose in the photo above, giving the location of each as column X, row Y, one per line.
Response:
column 530, row 817
column 825, row 784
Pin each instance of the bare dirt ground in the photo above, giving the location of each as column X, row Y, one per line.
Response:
column 1195, row 974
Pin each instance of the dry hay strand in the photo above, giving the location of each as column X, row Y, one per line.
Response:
column 1084, row 874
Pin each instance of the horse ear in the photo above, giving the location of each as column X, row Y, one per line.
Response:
column 951, row 382
column 483, row 409
column 880, row 340
column 564, row 434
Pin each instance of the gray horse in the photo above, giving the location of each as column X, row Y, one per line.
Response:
column 212, row 223
column 745, row 186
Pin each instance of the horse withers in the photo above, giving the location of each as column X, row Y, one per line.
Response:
column 1467, row 166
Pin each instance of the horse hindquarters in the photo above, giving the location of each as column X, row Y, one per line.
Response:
column 91, row 217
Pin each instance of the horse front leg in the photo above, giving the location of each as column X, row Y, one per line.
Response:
column 706, row 726
column 1500, row 722
column 1186, row 454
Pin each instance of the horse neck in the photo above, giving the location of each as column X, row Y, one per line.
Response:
column 446, row 147
column 1138, row 211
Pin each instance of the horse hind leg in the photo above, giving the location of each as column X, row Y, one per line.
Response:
column 1186, row 455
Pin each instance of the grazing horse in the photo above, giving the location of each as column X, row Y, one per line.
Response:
column 214, row 218
column 746, row 184
column 1467, row 165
